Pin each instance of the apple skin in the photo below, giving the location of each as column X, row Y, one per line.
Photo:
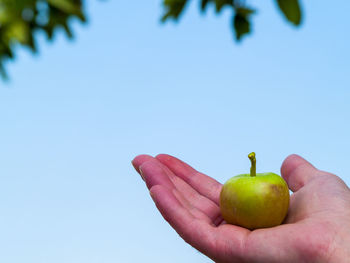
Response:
column 254, row 202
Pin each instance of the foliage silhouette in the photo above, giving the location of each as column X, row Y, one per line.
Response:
column 21, row 19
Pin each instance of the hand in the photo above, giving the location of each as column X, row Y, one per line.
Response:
column 317, row 227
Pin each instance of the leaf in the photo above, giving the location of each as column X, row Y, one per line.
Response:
column 245, row 11
column 241, row 25
column 291, row 10
column 204, row 4
column 20, row 19
column 174, row 8
column 68, row 30
column 67, row 6
column 221, row 3
column 18, row 31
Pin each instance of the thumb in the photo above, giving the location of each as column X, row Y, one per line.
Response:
column 297, row 172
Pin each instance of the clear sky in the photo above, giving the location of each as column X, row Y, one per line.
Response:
column 74, row 117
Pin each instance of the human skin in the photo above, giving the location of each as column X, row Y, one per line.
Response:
column 317, row 227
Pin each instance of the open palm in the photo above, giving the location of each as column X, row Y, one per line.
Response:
column 316, row 227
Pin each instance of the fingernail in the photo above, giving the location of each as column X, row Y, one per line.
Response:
column 141, row 173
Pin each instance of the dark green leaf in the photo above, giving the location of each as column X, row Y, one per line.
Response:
column 32, row 45
column 67, row 6
column 204, row 4
column 67, row 30
column 219, row 4
column 222, row 3
column 291, row 9
column 173, row 8
column 245, row 11
column 241, row 25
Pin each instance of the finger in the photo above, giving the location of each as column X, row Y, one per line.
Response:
column 139, row 160
column 202, row 203
column 297, row 172
column 155, row 173
column 195, row 211
column 218, row 243
column 197, row 200
column 203, row 184
column 197, row 233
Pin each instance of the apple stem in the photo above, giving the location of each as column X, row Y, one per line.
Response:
column 251, row 156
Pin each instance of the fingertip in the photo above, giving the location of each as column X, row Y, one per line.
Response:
column 139, row 160
column 154, row 173
column 289, row 163
column 292, row 162
column 296, row 171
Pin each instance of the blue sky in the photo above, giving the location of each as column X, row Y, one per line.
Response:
column 74, row 117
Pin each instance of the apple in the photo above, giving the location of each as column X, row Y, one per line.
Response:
column 254, row 200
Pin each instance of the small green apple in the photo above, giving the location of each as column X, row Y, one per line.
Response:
column 254, row 200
